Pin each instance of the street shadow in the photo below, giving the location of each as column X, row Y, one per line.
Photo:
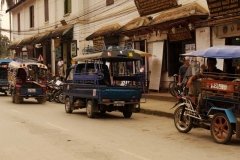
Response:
column 100, row 116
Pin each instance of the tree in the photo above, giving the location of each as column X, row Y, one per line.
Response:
column 4, row 44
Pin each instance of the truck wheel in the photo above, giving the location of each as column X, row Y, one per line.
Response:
column 127, row 112
column 221, row 128
column 68, row 107
column 90, row 109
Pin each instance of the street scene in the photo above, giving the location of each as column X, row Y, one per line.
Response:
column 119, row 79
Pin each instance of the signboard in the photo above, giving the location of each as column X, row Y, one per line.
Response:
column 74, row 49
column 230, row 30
column 223, row 7
column 180, row 34
column 146, row 7
column 98, row 43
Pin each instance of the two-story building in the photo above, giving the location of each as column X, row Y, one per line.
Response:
column 49, row 29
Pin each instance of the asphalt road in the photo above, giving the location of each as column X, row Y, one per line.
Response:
column 32, row 131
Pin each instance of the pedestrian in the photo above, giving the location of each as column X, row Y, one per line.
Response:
column 60, row 67
column 182, row 77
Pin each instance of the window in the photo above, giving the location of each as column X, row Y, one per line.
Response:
column 31, row 11
column 67, row 6
column 109, row 2
column 18, row 21
column 46, row 10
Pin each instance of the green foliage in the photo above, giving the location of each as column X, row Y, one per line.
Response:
column 4, row 44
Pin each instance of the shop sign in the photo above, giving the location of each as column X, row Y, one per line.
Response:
column 230, row 30
column 223, row 7
column 147, row 7
column 98, row 43
column 74, row 49
column 179, row 34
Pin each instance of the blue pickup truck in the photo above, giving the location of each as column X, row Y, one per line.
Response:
column 105, row 81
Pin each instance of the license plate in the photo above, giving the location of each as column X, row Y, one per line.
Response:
column 31, row 90
column 118, row 103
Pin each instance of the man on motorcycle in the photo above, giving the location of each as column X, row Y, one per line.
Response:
column 211, row 71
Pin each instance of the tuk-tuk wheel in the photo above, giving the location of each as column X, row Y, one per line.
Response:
column 221, row 128
column 127, row 111
column 68, row 107
column 90, row 108
column 17, row 99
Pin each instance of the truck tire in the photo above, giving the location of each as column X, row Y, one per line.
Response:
column 90, row 109
column 68, row 106
column 127, row 112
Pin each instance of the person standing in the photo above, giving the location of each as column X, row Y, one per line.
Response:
column 183, row 70
column 60, row 66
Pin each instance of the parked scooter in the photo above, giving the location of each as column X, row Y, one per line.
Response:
column 54, row 90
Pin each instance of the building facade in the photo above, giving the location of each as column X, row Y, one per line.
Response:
column 165, row 29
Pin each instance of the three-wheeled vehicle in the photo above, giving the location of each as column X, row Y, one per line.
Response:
column 218, row 106
column 27, row 79
column 4, row 75
column 105, row 81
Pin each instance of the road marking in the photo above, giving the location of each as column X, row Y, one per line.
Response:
column 132, row 154
column 55, row 126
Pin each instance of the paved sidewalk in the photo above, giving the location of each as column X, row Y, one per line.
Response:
column 159, row 104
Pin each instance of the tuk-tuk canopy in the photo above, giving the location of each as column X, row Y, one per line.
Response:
column 221, row 52
column 113, row 54
column 24, row 64
column 5, row 60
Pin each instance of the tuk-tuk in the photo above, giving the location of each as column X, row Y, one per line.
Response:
column 104, row 82
column 27, row 79
column 218, row 105
column 4, row 75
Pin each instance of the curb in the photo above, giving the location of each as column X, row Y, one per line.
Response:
column 156, row 113
column 160, row 97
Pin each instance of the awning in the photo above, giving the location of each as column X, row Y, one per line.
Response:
column 106, row 30
column 61, row 31
column 136, row 24
column 26, row 41
column 14, row 44
column 192, row 10
column 42, row 37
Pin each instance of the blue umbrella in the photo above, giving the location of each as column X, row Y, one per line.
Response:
column 222, row 52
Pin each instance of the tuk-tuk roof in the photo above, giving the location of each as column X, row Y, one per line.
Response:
column 5, row 60
column 111, row 55
column 221, row 52
column 24, row 64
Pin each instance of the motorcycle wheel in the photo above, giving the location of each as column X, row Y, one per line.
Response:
column 61, row 98
column 221, row 128
column 182, row 122
column 173, row 89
